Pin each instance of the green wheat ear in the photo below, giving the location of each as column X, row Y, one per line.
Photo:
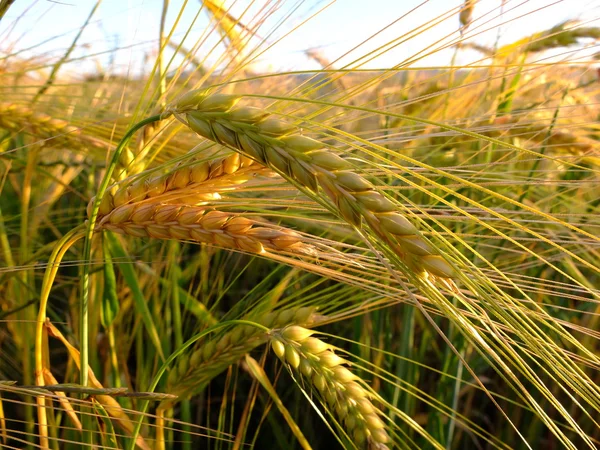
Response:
column 336, row 384
column 313, row 166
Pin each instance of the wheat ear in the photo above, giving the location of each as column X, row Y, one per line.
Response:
column 198, row 224
column 210, row 357
column 522, row 128
column 133, row 159
column 16, row 117
column 466, row 15
column 187, row 183
column 307, row 162
column 213, row 356
column 335, row 383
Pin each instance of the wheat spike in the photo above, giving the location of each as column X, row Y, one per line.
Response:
column 198, row 224
column 14, row 117
column 213, row 356
column 526, row 129
column 466, row 15
column 277, row 144
column 187, row 183
column 334, row 382
column 133, row 160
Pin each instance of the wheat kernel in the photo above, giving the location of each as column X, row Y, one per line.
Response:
column 278, row 348
column 353, row 182
column 415, row 245
column 214, row 220
column 302, row 144
column 296, row 333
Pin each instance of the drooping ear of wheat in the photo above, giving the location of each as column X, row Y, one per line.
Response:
column 338, row 387
column 310, row 164
column 466, row 15
column 210, row 357
column 557, row 139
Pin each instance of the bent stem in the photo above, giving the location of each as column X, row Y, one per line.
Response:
column 51, row 269
column 87, row 253
column 87, row 250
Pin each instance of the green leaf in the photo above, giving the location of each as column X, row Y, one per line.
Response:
column 141, row 306
column 107, row 433
column 110, row 300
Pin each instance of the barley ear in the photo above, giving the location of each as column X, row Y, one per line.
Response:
column 211, row 357
column 337, row 386
column 201, row 225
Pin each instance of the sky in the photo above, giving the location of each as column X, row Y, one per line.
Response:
column 47, row 27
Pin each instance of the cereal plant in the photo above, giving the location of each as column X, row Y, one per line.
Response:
column 386, row 243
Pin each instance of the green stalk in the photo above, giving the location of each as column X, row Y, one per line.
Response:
column 161, row 48
column 87, row 255
column 26, row 276
column 455, row 398
column 186, row 414
column 51, row 269
column 144, row 405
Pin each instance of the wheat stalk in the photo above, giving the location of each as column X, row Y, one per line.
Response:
column 308, row 163
column 334, row 382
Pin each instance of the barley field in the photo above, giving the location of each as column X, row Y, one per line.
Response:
column 215, row 235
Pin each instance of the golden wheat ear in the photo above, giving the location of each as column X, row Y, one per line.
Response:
column 201, row 225
column 310, row 164
column 43, row 127
column 184, row 184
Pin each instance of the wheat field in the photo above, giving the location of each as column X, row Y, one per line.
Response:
column 215, row 236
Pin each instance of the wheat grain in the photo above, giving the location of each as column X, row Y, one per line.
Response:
column 335, row 383
column 306, row 161
column 190, row 183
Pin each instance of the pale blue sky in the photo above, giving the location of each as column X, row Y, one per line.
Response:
column 133, row 26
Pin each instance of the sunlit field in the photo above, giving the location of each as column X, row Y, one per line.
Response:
column 299, row 225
